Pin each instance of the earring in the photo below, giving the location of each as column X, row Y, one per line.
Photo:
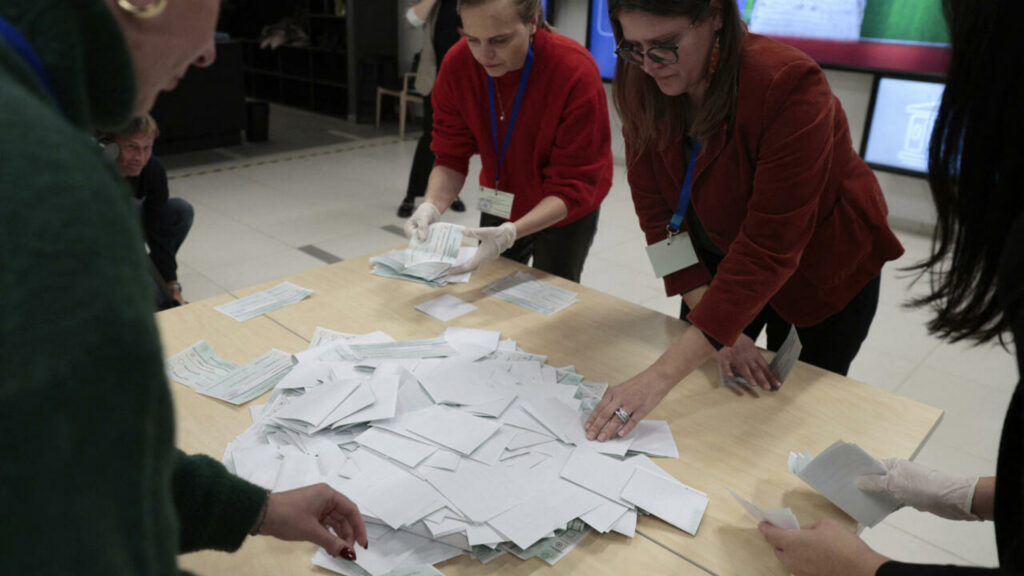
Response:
column 151, row 10
column 716, row 54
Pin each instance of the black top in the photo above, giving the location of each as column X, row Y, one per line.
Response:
column 446, row 29
column 150, row 190
column 1009, row 503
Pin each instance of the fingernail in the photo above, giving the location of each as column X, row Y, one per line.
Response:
column 348, row 554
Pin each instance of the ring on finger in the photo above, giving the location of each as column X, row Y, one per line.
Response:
column 622, row 415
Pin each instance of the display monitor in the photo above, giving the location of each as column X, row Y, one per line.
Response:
column 901, row 118
column 872, row 35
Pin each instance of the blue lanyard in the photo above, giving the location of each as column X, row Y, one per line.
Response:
column 515, row 112
column 684, row 196
column 24, row 49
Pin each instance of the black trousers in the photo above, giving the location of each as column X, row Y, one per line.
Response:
column 558, row 250
column 423, row 160
column 831, row 344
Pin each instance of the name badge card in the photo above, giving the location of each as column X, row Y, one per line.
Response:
column 672, row 254
column 496, row 202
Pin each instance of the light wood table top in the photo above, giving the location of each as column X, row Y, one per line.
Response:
column 724, row 441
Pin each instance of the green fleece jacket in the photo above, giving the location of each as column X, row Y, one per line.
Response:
column 90, row 480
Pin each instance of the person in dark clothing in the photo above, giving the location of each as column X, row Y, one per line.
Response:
column 441, row 30
column 976, row 270
column 87, row 415
column 166, row 221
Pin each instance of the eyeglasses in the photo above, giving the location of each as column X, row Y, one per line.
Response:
column 660, row 54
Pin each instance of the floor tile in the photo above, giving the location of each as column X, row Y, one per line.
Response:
column 264, row 268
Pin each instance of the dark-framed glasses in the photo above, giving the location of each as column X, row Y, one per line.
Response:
column 667, row 54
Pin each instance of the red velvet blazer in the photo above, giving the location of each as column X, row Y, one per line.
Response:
column 782, row 191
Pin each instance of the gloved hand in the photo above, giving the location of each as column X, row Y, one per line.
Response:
column 925, row 489
column 421, row 220
column 493, row 241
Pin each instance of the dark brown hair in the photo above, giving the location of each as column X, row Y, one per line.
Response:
column 526, row 9
column 644, row 109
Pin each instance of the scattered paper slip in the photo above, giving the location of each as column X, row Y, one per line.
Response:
column 834, row 473
column 199, row 368
column 781, row 517
column 260, row 303
column 446, row 308
column 526, row 291
column 668, row 499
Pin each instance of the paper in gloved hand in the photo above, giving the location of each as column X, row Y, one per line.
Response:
column 834, row 473
column 783, row 363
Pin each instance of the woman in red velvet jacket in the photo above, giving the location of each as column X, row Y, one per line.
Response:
column 787, row 224
column 546, row 161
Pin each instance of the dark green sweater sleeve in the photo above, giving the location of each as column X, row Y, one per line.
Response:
column 216, row 509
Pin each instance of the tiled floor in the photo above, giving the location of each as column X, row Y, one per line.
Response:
column 254, row 220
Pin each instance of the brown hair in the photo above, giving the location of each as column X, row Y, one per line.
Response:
column 144, row 124
column 644, row 109
column 527, row 10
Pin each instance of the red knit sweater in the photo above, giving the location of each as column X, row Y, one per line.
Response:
column 561, row 144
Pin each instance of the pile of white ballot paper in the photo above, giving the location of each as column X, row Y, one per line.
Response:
column 460, row 444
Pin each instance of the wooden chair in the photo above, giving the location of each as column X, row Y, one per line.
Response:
column 406, row 95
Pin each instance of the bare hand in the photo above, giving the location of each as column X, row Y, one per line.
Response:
column 745, row 360
column 305, row 514
column 637, row 396
column 822, row 549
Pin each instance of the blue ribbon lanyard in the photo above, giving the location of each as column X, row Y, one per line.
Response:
column 22, row 48
column 684, row 196
column 515, row 112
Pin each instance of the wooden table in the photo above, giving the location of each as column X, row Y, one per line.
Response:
column 724, row 441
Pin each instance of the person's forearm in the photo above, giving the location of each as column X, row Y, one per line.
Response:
column 422, row 9
column 443, row 186
column 692, row 298
column 983, row 505
column 684, row 356
column 549, row 211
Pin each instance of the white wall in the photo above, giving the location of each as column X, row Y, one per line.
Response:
column 910, row 205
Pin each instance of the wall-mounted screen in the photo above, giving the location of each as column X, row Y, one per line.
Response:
column 901, row 118
column 873, row 35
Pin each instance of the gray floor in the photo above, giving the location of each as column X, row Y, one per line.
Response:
column 322, row 189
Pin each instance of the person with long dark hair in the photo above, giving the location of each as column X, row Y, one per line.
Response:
column 531, row 103
column 755, row 205
column 976, row 270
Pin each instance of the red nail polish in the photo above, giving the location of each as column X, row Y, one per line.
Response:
column 348, row 554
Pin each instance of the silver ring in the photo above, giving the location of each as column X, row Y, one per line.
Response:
column 622, row 414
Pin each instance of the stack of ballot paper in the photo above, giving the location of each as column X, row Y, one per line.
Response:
column 260, row 303
column 199, row 368
column 427, row 261
column 526, row 291
column 834, row 474
column 460, row 444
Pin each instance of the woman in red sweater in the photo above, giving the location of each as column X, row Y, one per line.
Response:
column 532, row 104
column 755, row 205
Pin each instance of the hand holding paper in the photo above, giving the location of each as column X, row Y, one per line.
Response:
column 925, row 489
column 425, row 215
column 493, row 241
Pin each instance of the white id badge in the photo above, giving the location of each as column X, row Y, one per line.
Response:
column 672, row 255
column 496, row 202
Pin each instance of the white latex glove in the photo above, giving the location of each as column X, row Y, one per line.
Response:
column 925, row 489
column 421, row 220
column 493, row 241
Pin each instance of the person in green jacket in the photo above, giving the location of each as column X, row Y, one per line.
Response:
column 90, row 480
